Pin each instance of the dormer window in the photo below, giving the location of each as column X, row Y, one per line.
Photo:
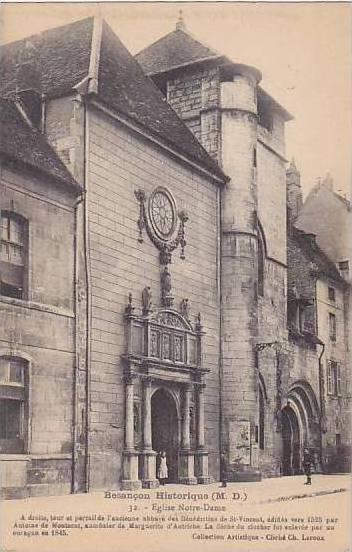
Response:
column 13, row 255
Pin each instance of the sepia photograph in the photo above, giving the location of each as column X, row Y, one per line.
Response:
column 175, row 276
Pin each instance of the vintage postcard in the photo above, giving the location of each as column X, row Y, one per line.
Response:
column 175, row 277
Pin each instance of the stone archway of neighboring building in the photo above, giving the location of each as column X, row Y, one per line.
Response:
column 165, row 429
column 292, row 436
column 300, row 427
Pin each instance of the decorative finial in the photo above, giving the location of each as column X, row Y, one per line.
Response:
column 199, row 326
column 130, row 308
column 185, row 307
column 293, row 166
column 180, row 25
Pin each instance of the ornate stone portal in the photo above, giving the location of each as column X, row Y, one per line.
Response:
column 164, row 356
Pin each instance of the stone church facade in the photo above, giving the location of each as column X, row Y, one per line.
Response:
column 180, row 292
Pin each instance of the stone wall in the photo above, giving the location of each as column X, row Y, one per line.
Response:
column 41, row 330
column 334, row 351
column 195, row 97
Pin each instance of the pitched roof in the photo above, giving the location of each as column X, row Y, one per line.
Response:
column 314, row 254
column 179, row 49
column 22, row 144
column 63, row 55
column 176, row 49
column 67, row 55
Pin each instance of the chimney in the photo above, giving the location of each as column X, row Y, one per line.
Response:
column 294, row 197
column 28, row 82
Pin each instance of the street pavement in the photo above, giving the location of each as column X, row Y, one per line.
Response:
column 268, row 490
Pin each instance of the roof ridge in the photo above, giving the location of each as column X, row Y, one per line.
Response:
column 45, row 32
column 187, row 33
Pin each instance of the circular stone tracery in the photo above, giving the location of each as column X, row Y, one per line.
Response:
column 162, row 213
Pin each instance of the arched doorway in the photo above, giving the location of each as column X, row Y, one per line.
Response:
column 300, row 427
column 292, row 442
column 165, row 434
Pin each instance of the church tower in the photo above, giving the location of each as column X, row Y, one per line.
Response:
column 221, row 103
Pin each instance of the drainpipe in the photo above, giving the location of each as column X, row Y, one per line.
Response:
column 76, row 365
column 322, row 420
column 89, row 309
column 219, row 293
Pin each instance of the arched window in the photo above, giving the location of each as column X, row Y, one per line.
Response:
column 13, row 255
column 260, row 266
column 261, row 439
column 13, row 404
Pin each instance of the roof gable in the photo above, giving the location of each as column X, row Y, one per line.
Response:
column 176, row 49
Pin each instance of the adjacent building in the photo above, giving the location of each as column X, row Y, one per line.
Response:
column 38, row 198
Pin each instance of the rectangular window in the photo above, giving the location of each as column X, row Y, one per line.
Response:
column 334, row 379
column 265, row 113
column 331, row 293
column 344, row 266
column 301, row 318
column 10, row 419
column 13, row 252
column 13, row 409
column 329, row 379
column 332, row 326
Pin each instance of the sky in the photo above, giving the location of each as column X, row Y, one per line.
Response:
column 304, row 51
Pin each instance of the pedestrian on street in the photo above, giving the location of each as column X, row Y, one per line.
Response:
column 162, row 470
column 223, row 469
column 307, row 465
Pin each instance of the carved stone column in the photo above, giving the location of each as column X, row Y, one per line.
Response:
column 130, row 456
column 201, row 455
column 186, row 433
column 148, row 456
column 186, row 455
column 200, row 417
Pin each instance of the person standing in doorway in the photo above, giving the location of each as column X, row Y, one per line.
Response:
column 223, row 469
column 307, row 465
column 162, row 470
